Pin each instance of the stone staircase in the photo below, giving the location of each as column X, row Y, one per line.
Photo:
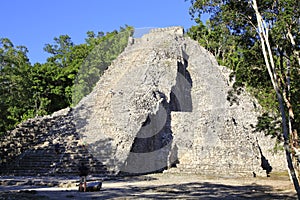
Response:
column 46, row 146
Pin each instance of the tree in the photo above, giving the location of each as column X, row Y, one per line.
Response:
column 48, row 84
column 14, row 82
column 60, row 50
column 273, row 26
column 35, row 90
column 263, row 30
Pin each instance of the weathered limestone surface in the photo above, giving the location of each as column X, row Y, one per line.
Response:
column 164, row 102
column 161, row 104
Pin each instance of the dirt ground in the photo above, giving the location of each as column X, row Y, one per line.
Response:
column 162, row 186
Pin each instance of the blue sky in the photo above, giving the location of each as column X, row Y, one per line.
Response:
column 34, row 23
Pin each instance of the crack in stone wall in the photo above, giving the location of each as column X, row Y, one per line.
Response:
column 152, row 150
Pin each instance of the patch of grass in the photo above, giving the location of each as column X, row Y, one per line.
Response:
column 282, row 175
column 276, row 175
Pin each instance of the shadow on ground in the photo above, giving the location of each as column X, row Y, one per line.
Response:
column 193, row 190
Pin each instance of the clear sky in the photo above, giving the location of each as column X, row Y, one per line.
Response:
column 34, row 23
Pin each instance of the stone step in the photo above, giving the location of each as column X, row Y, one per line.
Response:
column 45, row 161
column 30, row 149
column 51, row 170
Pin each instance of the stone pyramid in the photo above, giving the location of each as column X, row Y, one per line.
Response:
column 164, row 103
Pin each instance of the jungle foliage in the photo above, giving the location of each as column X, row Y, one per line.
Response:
column 231, row 34
column 28, row 90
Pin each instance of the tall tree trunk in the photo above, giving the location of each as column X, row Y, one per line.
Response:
column 263, row 33
column 287, row 99
column 296, row 53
